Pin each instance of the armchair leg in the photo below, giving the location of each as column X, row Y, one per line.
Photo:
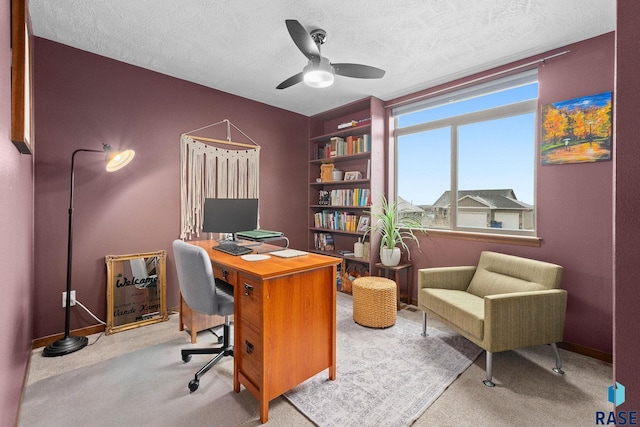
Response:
column 558, row 368
column 488, row 367
column 424, row 324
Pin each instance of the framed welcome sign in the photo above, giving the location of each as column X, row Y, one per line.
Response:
column 136, row 290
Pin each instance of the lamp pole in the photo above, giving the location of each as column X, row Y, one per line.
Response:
column 69, row 344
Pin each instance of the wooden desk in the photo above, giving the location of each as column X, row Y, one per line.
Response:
column 285, row 320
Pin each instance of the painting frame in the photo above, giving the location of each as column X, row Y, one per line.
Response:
column 131, row 302
column 577, row 130
column 352, row 176
column 21, row 78
column 363, row 223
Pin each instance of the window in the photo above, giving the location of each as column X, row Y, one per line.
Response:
column 477, row 144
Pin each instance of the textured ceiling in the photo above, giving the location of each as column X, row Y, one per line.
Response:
column 243, row 47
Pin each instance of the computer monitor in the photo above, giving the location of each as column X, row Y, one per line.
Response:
column 230, row 215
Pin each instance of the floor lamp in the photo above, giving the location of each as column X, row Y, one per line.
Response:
column 69, row 344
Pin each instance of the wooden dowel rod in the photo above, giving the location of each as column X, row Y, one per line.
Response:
column 221, row 141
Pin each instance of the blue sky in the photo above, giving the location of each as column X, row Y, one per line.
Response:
column 598, row 100
column 494, row 154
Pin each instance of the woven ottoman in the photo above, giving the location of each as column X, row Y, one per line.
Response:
column 374, row 302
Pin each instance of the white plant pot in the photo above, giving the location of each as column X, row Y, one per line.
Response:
column 390, row 257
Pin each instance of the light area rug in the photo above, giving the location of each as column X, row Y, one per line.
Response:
column 143, row 388
column 385, row 377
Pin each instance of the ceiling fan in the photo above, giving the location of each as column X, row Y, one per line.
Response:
column 319, row 72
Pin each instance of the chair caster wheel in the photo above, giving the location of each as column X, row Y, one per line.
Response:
column 193, row 385
column 186, row 358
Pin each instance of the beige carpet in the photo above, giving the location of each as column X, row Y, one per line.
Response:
column 527, row 392
column 142, row 388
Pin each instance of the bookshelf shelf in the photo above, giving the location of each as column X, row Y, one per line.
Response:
column 331, row 230
column 339, row 207
column 345, row 158
column 352, row 131
column 336, row 183
column 358, row 149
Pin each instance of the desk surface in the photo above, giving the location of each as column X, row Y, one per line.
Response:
column 271, row 267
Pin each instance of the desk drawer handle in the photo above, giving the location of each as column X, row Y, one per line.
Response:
column 248, row 347
column 224, row 274
column 247, row 289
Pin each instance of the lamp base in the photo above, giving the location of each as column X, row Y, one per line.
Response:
column 65, row 345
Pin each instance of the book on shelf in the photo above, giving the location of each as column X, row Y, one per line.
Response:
column 346, row 253
column 337, row 146
column 354, row 123
column 350, row 197
column 323, row 197
column 323, row 241
column 347, row 125
column 363, row 122
column 336, row 220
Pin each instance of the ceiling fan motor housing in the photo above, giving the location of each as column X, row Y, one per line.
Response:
column 319, row 36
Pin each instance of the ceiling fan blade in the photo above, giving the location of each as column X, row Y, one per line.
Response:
column 290, row 81
column 302, row 39
column 358, row 71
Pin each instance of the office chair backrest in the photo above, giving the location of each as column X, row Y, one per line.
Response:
column 195, row 277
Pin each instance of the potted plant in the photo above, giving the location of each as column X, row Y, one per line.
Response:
column 393, row 230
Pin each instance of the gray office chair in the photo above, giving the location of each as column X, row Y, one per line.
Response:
column 205, row 294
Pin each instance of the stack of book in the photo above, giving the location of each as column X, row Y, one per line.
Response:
column 339, row 146
column 354, row 123
column 323, row 241
column 350, row 197
column 335, row 220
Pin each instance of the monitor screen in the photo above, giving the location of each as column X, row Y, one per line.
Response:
column 230, row 215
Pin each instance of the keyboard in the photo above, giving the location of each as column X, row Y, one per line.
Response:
column 233, row 249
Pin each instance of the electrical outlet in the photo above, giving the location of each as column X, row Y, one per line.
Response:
column 64, row 298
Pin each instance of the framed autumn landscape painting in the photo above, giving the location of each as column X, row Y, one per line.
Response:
column 577, row 130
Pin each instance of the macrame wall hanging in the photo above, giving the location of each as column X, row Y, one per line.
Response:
column 214, row 168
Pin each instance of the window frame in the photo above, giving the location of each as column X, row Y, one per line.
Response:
column 530, row 106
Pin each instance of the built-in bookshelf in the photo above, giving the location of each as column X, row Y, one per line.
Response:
column 346, row 173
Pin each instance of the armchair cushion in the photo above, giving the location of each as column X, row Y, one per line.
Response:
column 500, row 273
column 460, row 308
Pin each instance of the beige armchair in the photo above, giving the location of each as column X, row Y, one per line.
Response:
column 504, row 303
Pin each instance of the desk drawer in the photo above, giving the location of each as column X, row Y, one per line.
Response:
column 248, row 353
column 224, row 273
column 249, row 302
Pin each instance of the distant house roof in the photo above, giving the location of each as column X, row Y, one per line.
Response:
column 405, row 207
column 495, row 199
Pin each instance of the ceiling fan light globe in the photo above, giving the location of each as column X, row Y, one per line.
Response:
column 319, row 75
column 318, row 78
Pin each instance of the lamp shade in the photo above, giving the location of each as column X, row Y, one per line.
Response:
column 117, row 160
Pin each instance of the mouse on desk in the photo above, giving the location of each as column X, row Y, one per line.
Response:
column 255, row 257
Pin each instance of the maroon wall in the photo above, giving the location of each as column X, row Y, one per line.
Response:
column 16, row 245
column 573, row 205
column 84, row 100
column 627, row 204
